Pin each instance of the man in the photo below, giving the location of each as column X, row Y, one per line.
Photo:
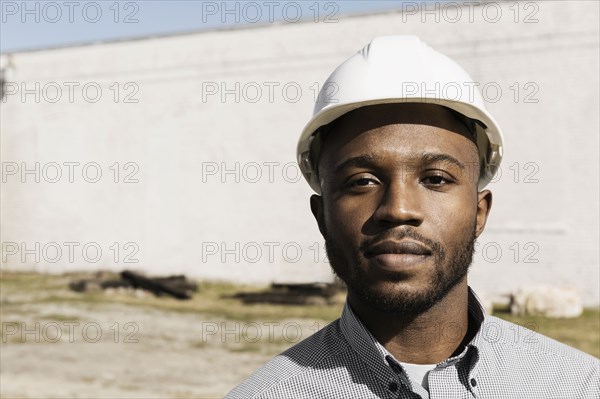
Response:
column 400, row 165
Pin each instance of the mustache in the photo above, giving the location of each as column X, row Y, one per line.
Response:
column 398, row 235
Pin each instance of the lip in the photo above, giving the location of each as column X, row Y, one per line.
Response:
column 398, row 256
column 398, row 248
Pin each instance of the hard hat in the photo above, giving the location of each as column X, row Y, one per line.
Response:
column 401, row 69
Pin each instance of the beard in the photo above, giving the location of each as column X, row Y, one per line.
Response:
column 448, row 272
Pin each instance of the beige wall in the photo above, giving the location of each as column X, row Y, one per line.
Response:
column 178, row 134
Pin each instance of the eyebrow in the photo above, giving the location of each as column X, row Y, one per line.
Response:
column 426, row 158
column 358, row 161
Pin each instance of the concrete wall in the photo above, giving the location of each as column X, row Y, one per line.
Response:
column 187, row 214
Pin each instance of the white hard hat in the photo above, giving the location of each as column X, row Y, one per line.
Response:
column 401, row 69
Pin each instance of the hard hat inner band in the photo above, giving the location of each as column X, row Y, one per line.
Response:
column 317, row 139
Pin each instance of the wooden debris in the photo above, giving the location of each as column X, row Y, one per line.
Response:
column 293, row 294
column 176, row 286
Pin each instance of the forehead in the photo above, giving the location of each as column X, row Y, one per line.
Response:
column 397, row 130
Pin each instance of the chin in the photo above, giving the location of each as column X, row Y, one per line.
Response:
column 398, row 302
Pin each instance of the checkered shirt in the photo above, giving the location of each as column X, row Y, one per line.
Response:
column 503, row 360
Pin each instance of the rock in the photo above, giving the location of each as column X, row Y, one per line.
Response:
column 546, row 300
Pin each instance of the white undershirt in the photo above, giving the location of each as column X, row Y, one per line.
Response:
column 418, row 373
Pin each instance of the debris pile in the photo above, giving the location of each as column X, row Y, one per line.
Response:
column 175, row 286
column 294, row 294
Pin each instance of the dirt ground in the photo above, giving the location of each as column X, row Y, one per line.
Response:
column 56, row 343
column 112, row 350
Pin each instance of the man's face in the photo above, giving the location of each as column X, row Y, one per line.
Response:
column 400, row 210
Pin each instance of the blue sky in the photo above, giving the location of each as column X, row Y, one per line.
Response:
column 26, row 25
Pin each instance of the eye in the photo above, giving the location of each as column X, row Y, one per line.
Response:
column 437, row 180
column 362, row 181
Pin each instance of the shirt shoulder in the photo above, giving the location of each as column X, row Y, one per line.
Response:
column 289, row 373
column 535, row 362
column 526, row 341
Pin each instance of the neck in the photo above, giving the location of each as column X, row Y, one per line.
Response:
column 427, row 338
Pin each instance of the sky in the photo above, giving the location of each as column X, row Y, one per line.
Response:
column 29, row 25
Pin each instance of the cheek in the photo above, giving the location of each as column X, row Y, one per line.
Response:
column 452, row 218
column 345, row 219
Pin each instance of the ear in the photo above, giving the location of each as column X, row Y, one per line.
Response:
column 316, row 206
column 484, row 204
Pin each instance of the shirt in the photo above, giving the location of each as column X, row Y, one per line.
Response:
column 418, row 372
column 503, row 360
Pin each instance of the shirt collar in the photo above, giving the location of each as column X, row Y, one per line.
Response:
column 374, row 354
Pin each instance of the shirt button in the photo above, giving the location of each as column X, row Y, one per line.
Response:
column 473, row 382
column 393, row 386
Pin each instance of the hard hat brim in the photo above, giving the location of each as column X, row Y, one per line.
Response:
column 332, row 112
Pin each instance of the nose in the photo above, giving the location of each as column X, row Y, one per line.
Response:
column 400, row 204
